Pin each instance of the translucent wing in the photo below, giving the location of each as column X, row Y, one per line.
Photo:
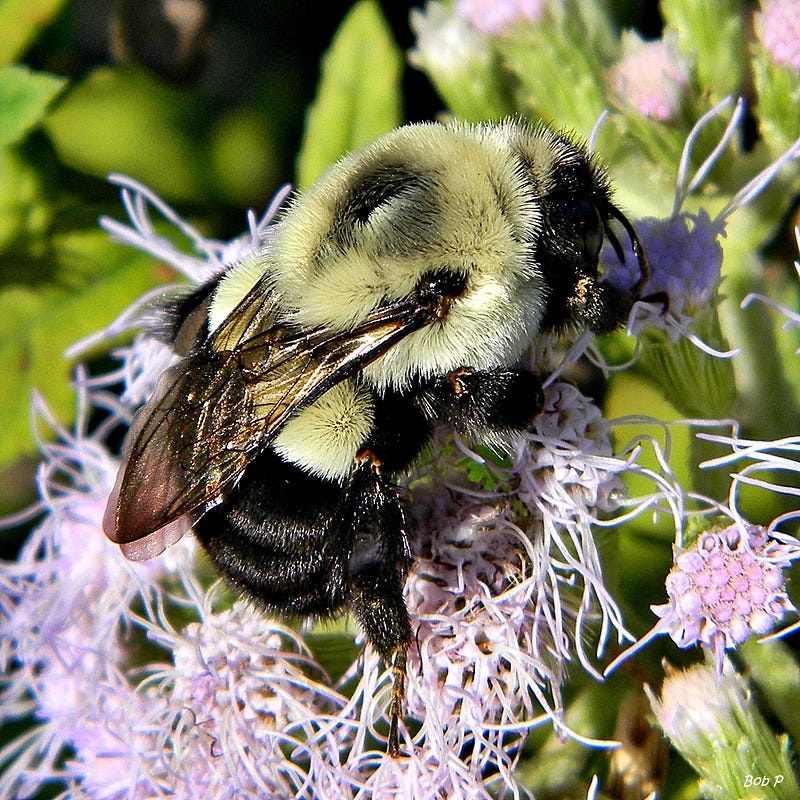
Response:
column 215, row 410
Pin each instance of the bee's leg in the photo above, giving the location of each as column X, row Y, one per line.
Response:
column 470, row 400
column 373, row 520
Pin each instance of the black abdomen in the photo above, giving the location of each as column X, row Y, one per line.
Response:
column 271, row 537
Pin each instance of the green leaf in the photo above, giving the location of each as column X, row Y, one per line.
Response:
column 560, row 63
column 24, row 97
column 696, row 384
column 359, row 94
column 778, row 101
column 93, row 280
column 25, row 208
column 21, row 22
column 712, row 33
column 124, row 120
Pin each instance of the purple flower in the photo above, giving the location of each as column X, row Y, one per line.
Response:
column 684, row 249
column 482, row 670
column 685, row 255
column 243, row 692
column 728, row 586
column 66, row 605
column 240, row 692
column 507, row 588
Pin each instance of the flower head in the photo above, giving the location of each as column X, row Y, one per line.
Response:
column 244, row 692
column 64, row 588
column 446, row 42
column 726, row 588
column 494, row 17
column 652, row 78
column 459, row 57
column 67, row 607
column 483, row 659
column 684, row 249
column 507, row 588
column 710, row 717
column 697, row 705
column 685, row 256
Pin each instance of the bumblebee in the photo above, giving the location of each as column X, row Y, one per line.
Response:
column 397, row 293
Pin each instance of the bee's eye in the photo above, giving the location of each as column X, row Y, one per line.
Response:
column 589, row 226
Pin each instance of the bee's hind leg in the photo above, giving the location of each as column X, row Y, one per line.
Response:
column 372, row 520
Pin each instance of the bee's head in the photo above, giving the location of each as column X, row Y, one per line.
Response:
column 573, row 195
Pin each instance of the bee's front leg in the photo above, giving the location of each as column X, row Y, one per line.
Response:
column 474, row 401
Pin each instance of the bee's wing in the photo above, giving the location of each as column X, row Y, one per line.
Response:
column 214, row 411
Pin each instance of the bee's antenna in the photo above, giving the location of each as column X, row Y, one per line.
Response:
column 638, row 251
column 612, row 237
